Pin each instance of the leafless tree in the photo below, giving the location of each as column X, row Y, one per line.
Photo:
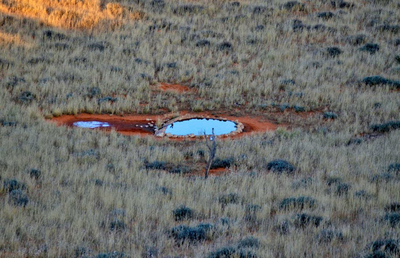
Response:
column 212, row 147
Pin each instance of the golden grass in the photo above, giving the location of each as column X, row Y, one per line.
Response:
column 71, row 14
column 69, row 54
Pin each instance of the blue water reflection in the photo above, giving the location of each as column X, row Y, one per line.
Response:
column 197, row 126
column 91, row 124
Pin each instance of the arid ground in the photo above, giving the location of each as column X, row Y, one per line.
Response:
column 316, row 172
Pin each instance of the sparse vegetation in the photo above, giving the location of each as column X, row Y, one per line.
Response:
column 325, row 184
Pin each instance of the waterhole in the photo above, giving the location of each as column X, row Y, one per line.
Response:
column 91, row 124
column 181, row 127
column 197, row 126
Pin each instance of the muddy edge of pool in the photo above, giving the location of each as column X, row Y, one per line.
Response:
column 130, row 124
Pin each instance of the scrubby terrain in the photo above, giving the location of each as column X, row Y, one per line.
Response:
column 326, row 184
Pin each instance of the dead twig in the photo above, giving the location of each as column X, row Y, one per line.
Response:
column 211, row 144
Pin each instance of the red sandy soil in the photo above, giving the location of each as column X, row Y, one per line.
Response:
column 175, row 87
column 212, row 172
column 131, row 124
column 127, row 125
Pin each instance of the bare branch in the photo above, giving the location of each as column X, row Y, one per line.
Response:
column 211, row 144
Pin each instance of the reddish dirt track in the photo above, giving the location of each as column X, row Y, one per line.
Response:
column 175, row 87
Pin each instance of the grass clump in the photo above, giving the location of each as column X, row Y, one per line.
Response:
column 280, row 166
column 249, row 242
column 330, row 115
column 392, row 218
column 18, row 198
column 385, row 127
column 244, row 249
column 161, row 165
column 230, row 198
column 222, row 163
column 370, row 48
column 183, row 233
column 183, row 213
column 329, row 235
column 379, row 80
column 394, row 168
column 299, row 203
column 10, row 185
column 114, row 254
column 384, row 248
column 304, row 220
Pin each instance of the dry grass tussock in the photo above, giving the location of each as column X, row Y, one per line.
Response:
column 71, row 14
column 332, row 189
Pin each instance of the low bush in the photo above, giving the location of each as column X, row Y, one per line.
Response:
column 387, row 247
column 229, row 198
column 185, row 233
column 392, row 218
column 304, row 220
column 328, row 235
column 333, row 51
column 249, row 242
column 183, row 213
column 386, row 127
column 370, row 48
column 330, row 115
column 222, row 163
column 18, row 198
column 10, row 185
column 279, row 166
column 298, row 203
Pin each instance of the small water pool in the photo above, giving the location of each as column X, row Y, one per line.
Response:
column 91, row 124
column 198, row 126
